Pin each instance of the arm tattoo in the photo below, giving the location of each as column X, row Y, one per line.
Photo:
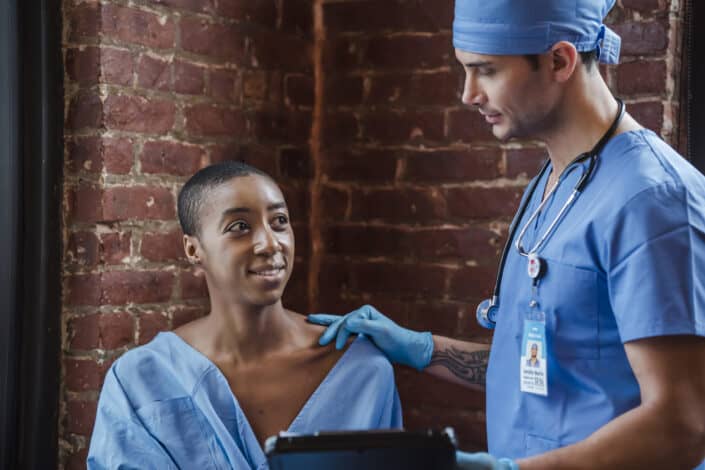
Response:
column 470, row 367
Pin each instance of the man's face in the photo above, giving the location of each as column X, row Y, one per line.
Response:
column 514, row 97
column 246, row 241
column 534, row 351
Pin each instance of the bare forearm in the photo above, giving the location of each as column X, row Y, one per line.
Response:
column 461, row 362
column 646, row 437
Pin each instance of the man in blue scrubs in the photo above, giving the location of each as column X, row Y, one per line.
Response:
column 608, row 281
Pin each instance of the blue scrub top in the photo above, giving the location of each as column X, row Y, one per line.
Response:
column 626, row 262
column 166, row 406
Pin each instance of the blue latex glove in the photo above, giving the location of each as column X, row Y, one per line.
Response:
column 482, row 461
column 402, row 346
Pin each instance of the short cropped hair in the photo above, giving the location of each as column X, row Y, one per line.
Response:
column 589, row 58
column 195, row 191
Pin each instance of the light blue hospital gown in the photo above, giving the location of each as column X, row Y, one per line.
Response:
column 165, row 405
column 626, row 262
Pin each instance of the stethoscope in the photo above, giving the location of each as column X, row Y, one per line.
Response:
column 488, row 308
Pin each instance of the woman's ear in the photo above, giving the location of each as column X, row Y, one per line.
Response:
column 192, row 248
column 564, row 60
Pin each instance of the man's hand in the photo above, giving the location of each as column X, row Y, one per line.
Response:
column 402, row 346
column 482, row 461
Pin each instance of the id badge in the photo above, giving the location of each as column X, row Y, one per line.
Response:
column 533, row 377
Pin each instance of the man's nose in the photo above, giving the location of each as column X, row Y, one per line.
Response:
column 472, row 93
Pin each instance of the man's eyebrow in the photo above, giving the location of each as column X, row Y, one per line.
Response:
column 477, row 64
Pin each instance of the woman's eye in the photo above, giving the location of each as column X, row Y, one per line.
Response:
column 281, row 221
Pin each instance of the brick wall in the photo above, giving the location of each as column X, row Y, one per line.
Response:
column 400, row 196
column 154, row 91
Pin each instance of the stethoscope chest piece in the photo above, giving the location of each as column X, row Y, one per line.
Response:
column 534, row 266
column 487, row 313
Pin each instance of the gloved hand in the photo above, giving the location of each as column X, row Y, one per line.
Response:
column 402, row 346
column 482, row 461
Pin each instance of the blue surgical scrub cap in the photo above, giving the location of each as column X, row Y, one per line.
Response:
column 517, row 27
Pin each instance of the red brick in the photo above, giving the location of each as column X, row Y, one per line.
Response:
column 263, row 12
column 188, row 78
column 285, row 126
column 440, row 318
column 453, row 165
column 649, row 114
column 83, row 374
column 398, row 205
column 183, row 315
column 209, row 120
column 107, row 331
column 298, row 200
column 150, row 325
column 468, row 328
column 482, row 203
column 524, row 161
column 139, row 114
column 84, row 21
column 77, row 460
column 468, row 424
column 80, row 416
column 473, row 282
column 83, row 289
column 399, row 127
column 643, row 38
column 85, row 204
column 641, row 77
column 254, row 85
column 122, row 203
column 82, row 249
column 137, row 27
column 431, row 89
column 154, row 73
column 225, row 42
column 272, row 50
column 163, row 246
column 83, row 65
column 343, row 53
column 297, row 17
column 334, row 203
column 645, row 6
column 199, row 6
column 224, row 86
column 410, row 51
column 295, row 163
column 93, row 154
column 115, row 247
column 259, row 156
column 193, row 286
column 122, row 287
column 343, row 90
column 299, row 90
column 338, row 128
column 373, row 16
column 468, row 125
column 369, row 165
column 85, row 111
column 414, row 280
column 171, row 158
column 117, row 155
column 117, row 66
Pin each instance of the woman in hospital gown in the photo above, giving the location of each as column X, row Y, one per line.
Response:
column 175, row 402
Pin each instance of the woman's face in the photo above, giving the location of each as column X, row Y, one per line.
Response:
column 246, row 243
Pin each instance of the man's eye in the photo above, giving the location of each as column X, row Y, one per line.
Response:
column 238, row 227
column 485, row 71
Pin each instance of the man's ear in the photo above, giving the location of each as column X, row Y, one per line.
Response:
column 564, row 60
column 192, row 248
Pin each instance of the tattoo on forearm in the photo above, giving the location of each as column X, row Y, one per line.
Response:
column 470, row 367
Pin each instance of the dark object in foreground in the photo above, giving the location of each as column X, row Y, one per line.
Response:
column 371, row 450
